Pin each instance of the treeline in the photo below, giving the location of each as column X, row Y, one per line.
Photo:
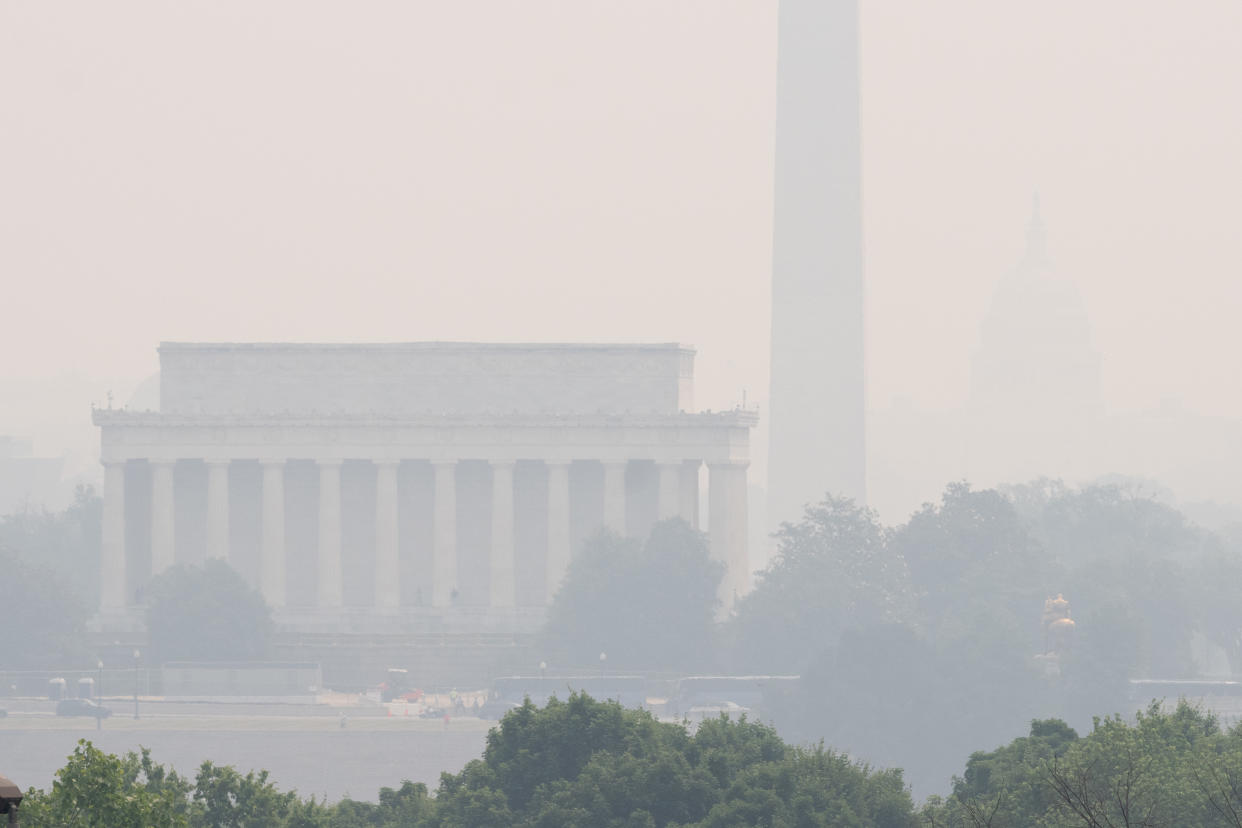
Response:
column 587, row 764
column 917, row 643
column 1165, row 769
column 574, row 763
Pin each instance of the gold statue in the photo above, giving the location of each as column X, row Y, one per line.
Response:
column 1058, row 631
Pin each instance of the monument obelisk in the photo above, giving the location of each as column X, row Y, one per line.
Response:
column 816, row 403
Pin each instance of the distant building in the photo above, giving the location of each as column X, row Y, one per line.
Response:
column 26, row 481
column 421, row 486
column 1035, row 393
column 817, row 420
column 1035, row 409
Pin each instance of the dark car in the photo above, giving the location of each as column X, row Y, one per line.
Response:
column 82, row 707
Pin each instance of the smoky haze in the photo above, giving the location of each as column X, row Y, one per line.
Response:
column 566, row 172
column 483, row 226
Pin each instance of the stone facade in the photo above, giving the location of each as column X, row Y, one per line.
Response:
column 430, row 485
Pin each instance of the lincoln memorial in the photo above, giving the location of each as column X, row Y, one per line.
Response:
column 413, row 486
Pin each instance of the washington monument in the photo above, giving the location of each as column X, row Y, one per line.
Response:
column 817, row 394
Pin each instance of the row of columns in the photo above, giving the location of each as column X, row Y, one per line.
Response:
column 677, row 495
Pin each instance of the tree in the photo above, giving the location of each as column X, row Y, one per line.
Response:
column 409, row 805
column 1170, row 768
column 99, row 790
column 224, row 798
column 42, row 619
column 647, row 606
column 833, row 571
column 1133, row 560
column 206, row 614
column 971, row 550
column 50, row 564
column 65, row 543
column 586, row 763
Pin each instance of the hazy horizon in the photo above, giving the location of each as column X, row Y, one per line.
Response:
column 559, row 171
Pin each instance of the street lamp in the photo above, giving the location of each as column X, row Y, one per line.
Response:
column 99, row 696
column 136, row 656
column 602, row 658
column 543, row 668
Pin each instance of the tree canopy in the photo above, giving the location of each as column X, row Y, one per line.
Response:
column 832, row 572
column 646, row 605
column 579, row 763
column 65, row 543
column 1165, row 768
column 206, row 613
column 42, row 621
column 933, row 626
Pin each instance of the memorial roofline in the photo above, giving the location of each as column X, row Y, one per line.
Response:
column 427, row 346
column 739, row 417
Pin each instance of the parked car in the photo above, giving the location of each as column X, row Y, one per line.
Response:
column 82, row 707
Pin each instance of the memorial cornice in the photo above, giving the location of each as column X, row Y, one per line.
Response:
column 426, row 347
column 737, row 418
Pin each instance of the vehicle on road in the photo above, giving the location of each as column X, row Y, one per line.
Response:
column 397, row 687
column 82, row 707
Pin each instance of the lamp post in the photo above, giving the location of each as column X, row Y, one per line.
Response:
column 543, row 668
column 602, row 658
column 99, row 695
column 136, row 656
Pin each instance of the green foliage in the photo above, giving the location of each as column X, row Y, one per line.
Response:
column 588, row 763
column 932, row 626
column 1166, row 768
column 64, row 543
column 409, row 805
column 647, row 605
column 98, row 790
column 42, row 621
column 50, row 562
column 574, row 763
column 832, row 572
column 101, row 790
column 225, row 798
column 206, row 614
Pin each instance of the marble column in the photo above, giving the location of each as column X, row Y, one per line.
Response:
column 669, row 494
column 218, row 509
column 272, row 548
column 689, row 505
column 614, row 496
column 503, row 575
column 558, row 525
column 387, row 569
column 330, row 585
column 444, row 534
column 112, row 596
column 163, row 504
column 727, row 524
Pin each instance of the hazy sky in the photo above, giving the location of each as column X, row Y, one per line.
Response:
column 576, row 170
